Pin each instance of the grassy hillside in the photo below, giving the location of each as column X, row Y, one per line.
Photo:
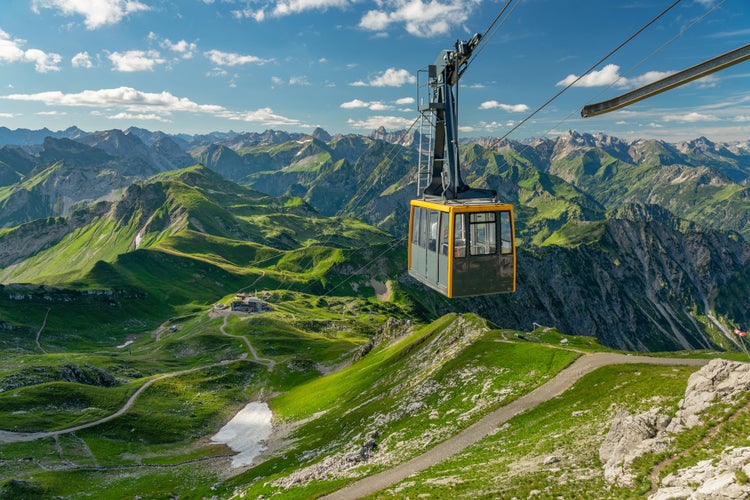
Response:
column 209, row 218
column 553, row 450
column 200, row 373
column 403, row 397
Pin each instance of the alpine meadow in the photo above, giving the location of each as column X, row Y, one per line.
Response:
column 157, row 287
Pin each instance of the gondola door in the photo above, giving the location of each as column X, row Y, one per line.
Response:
column 428, row 250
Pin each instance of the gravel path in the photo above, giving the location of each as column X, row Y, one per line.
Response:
column 269, row 363
column 556, row 386
column 14, row 437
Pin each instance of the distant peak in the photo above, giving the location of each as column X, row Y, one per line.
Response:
column 321, row 135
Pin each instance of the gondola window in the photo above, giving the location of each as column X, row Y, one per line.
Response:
column 460, row 237
column 506, row 233
column 482, row 233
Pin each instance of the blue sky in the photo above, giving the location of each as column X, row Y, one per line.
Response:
column 350, row 66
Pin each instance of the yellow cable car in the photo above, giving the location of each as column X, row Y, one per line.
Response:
column 463, row 249
column 461, row 239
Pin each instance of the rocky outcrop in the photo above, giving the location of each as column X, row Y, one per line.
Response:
column 712, row 479
column 392, row 329
column 70, row 372
column 720, row 381
column 631, row 436
column 336, row 466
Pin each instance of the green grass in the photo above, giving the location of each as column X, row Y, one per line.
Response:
column 412, row 404
column 571, row 427
column 58, row 405
column 170, row 422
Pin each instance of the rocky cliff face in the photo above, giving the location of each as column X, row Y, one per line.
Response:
column 640, row 287
column 25, row 241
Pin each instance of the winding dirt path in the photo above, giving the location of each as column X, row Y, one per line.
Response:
column 269, row 363
column 39, row 332
column 487, row 425
column 15, row 437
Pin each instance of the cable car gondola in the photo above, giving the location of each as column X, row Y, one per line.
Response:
column 461, row 239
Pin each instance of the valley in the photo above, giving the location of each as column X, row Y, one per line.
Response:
column 121, row 356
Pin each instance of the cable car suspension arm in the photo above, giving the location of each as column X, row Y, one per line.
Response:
column 674, row 80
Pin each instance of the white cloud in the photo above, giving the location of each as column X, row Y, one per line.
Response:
column 299, row 80
column 135, row 60
column 354, row 104
column 96, row 13
column 11, row 51
column 127, row 102
column 43, row 62
column 7, row 115
column 690, row 118
column 495, row 125
column 608, row 75
column 184, row 48
column 511, row 108
column 259, row 15
column 123, row 97
column 216, row 72
column 374, row 122
column 281, row 8
column 405, row 100
column 422, row 19
column 418, row 17
column 287, row 7
column 648, row 77
column 140, row 116
column 375, row 20
column 265, row 116
column 82, row 60
column 379, row 106
column 232, row 59
column 392, row 77
column 374, row 105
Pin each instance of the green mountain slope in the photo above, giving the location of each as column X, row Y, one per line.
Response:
column 693, row 191
column 194, row 205
column 118, row 297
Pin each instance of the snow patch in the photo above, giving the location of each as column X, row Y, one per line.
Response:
column 246, row 433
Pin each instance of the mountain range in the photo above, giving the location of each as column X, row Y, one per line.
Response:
column 663, row 225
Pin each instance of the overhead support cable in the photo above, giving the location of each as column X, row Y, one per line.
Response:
column 579, row 78
column 667, row 83
column 493, row 27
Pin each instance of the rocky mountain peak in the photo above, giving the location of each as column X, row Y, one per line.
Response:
column 54, row 150
column 380, row 133
column 321, row 135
